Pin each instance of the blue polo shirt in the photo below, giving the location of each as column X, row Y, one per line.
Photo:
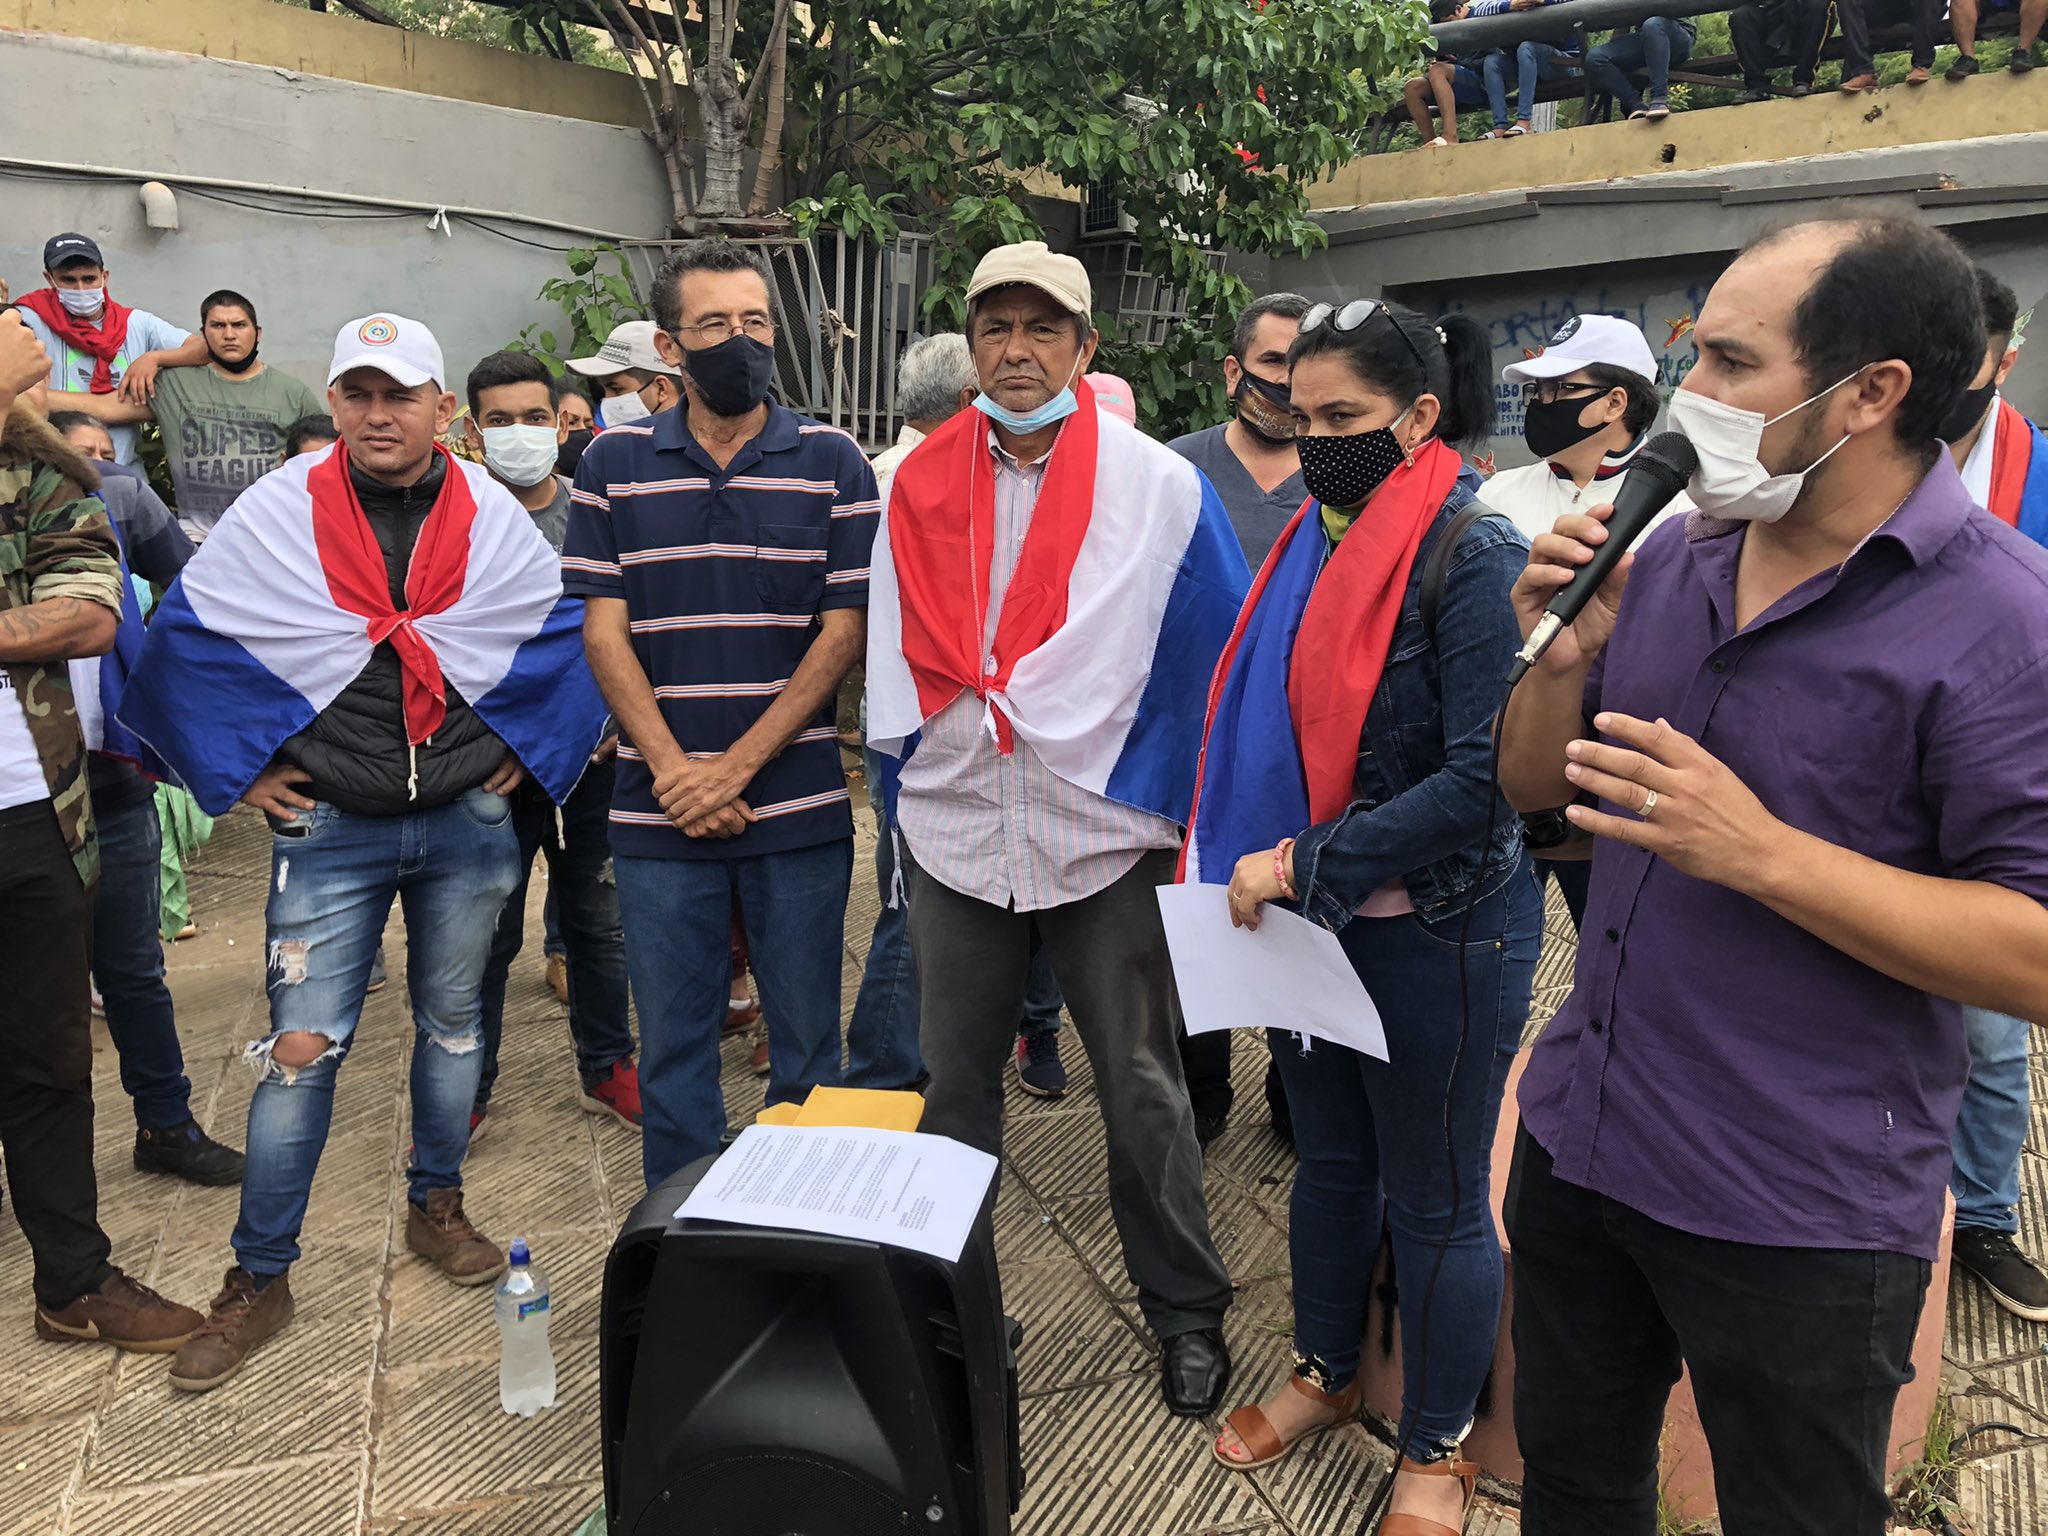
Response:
column 725, row 573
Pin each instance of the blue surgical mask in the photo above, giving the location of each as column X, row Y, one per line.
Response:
column 1024, row 423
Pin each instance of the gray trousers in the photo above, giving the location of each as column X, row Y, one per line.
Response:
column 1109, row 953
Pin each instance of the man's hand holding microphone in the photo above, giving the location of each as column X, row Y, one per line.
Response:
column 1687, row 806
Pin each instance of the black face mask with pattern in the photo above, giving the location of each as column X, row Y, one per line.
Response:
column 1262, row 409
column 1341, row 471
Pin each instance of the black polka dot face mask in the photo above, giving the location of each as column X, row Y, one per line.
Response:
column 1343, row 471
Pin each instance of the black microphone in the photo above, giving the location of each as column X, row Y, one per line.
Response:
column 1656, row 474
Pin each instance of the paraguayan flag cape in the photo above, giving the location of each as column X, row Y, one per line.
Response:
column 280, row 611
column 1126, row 590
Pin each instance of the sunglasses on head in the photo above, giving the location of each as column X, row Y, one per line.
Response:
column 1354, row 314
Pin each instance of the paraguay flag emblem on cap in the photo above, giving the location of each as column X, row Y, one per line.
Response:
column 377, row 332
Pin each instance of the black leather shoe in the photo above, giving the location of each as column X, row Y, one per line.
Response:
column 1194, row 1370
column 186, row 1152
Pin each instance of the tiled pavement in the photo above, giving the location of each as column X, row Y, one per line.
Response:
column 377, row 1413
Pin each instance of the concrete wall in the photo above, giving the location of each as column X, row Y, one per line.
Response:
column 165, row 114
column 264, row 32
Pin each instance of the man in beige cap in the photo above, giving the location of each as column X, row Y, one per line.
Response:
column 1049, row 594
column 633, row 382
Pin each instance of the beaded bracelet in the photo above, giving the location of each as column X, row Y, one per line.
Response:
column 1280, row 868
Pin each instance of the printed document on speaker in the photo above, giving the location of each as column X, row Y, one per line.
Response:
column 901, row 1188
column 1288, row 972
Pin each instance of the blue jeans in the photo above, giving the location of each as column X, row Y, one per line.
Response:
column 881, row 1037
column 1370, row 1135
column 678, row 921
column 551, row 925
column 1653, row 47
column 1534, row 63
column 1991, row 1128
column 333, row 877
column 580, row 874
column 1493, row 77
column 128, row 965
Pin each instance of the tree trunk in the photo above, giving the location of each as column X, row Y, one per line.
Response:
column 776, row 62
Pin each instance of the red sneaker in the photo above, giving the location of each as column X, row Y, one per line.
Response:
column 617, row 1094
column 479, row 1122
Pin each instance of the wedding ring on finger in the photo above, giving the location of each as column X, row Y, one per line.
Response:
column 1649, row 804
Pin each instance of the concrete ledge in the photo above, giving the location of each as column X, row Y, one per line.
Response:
column 1824, row 124
column 280, row 36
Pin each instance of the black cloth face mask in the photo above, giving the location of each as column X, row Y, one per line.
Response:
column 1553, row 428
column 1968, row 410
column 732, row 377
column 571, row 452
column 1262, row 408
column 1343, row 471
column 237, row 367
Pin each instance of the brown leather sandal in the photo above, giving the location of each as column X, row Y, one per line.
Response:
column 1260, row 1438
column 1466, row 1472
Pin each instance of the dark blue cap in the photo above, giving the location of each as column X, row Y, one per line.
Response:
column 62, row 250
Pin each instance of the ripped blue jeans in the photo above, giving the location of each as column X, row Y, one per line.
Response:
column 333, row 876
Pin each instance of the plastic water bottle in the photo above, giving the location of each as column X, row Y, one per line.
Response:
column 526, row 1366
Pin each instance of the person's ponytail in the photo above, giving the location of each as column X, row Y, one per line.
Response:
column 1470, row 407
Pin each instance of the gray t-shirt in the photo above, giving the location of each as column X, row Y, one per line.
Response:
column 553, row 519
column 221, row 435
column 1259, row 517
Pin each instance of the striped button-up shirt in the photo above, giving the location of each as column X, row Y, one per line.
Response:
column 725, row 572
column 1008, row 830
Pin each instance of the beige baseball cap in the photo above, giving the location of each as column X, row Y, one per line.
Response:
column 1035, row 263
column 629, row 346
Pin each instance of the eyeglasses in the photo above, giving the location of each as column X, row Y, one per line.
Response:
column 717, row 329
column 1352, row 316
column 1548, row 391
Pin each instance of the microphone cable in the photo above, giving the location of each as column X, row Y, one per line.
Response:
column 1405, row 1429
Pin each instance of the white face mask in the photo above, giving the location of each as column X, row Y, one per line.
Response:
column 617, row 410
column 520, row 455
column 1731, row 481
column 83, row 302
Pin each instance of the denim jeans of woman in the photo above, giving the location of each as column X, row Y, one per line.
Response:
column 1371, row 1140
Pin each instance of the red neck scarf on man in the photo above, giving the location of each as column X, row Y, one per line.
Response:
column 1348, row 624
column 358, row 581
column 102, row 342
column 942, row 560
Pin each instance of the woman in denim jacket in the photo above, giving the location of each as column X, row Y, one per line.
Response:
column 1346, row 772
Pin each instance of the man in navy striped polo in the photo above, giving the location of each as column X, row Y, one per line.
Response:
column 721, row 549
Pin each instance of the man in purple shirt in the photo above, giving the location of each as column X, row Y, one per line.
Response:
column 1816, row 755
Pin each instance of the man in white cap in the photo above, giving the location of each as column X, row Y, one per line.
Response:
column 374, row 655
column 633, row 381
column 1050, row 592
column 1588, row 400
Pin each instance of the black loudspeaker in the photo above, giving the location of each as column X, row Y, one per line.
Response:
column 760, row 1382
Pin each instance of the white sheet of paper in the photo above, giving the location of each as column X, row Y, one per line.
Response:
column 896, row 1187
column 1289, row 973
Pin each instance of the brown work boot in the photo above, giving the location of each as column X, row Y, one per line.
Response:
column 241, row 1319
column 442, row 1235
column 124, row 1313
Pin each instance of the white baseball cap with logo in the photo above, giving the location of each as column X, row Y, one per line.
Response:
column 1583, row 341
column 392, row 344
column 629, row 346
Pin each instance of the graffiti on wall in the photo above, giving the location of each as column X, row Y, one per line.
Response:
column 1526, row 325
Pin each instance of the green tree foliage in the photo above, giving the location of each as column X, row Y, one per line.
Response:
column 1206, row 120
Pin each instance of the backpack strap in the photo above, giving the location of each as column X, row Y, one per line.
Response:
column 1436, row 569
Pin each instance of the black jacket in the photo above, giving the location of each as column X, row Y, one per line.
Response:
column 355, row 749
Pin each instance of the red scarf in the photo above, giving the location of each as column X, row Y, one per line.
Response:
column 1348, row 625
column 102, row 342
column 358, row 582
column 2012, row 447
column 942, row 560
